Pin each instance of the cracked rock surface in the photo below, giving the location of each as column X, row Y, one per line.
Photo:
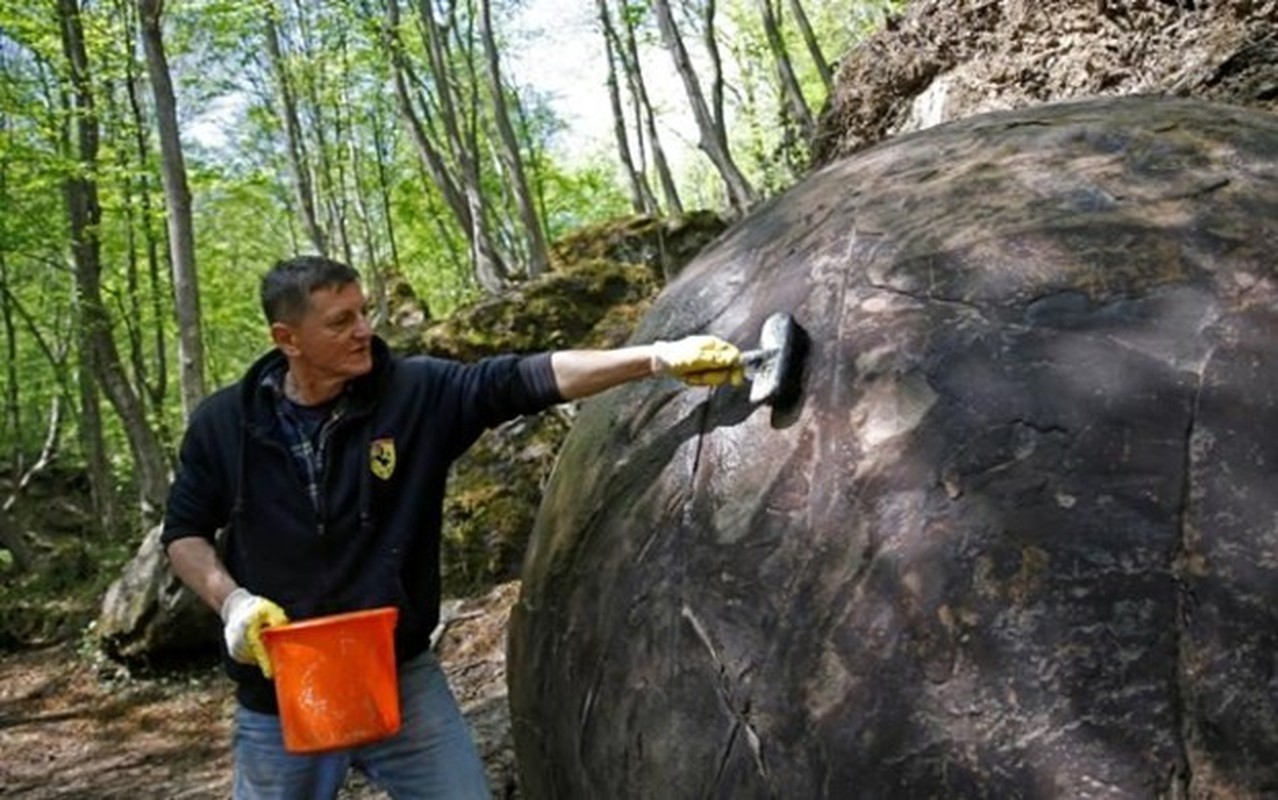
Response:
column 1016, row 536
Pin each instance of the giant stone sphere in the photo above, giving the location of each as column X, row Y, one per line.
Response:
column 1017, row 533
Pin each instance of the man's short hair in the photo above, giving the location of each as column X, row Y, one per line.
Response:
column 287, row 287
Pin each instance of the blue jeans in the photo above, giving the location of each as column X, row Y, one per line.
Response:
column 432, row 756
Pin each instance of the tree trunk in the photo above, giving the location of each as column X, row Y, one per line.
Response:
column 133, row 318
column 716, row 64
column 13, row 407
column 92, row 441
column 536, row 158
column 298, row 162
column 382, row 154
column 177, row 194
column 157, row 387
column 535, row 237
column 432, row 159
column 814, row 48
column 461, row 199
column 639, row 87
column 713, row 139
column 372, row 121
column 641, row 198
column 120, row 137
column 85, row 217
column 329, row 175
column 13, row 397
column 384, row 151
column 791, row 92
column 372, row 253
column 490, row 270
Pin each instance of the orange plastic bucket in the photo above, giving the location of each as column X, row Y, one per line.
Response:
column 335, row 679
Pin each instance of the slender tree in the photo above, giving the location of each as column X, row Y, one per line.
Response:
column 813, row 46
column 130, row 180
column 13, row 397
column 710, row 38
column 352, row 152
column 641, row 197
column 629, row 50
column 713, row 137
column 431, row 157
column 383, row 149
column 534, row 236
column 794, row 102
column 303, row 185
column 186, row 283
column 323, row 115
column 490, row 269
column 152, row 374
column 13, row 405
column 99, row 355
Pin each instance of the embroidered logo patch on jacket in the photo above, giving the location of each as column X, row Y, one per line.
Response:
column 381, row 457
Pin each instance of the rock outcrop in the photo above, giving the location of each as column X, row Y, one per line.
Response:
column 947, row 59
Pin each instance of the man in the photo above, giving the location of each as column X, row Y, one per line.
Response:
column 326, row 464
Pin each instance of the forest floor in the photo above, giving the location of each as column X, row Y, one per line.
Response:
column 74, row 725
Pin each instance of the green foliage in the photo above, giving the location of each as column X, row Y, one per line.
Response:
column 492, row 503
column 580, row 196
column 366, row 172
column 774, row 157
column 246, row 230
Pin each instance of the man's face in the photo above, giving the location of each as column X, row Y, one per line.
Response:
column 333, row 339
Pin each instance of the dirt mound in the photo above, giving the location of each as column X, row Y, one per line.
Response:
column 947, row 59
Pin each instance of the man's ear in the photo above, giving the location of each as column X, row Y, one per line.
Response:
column 284, row 338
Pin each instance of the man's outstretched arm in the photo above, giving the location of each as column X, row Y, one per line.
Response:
column 698, row 360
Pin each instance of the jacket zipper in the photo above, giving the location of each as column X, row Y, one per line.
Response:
column 272, row 443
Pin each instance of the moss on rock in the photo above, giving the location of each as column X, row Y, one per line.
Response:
column 557, row 310
column 601, row 282
column 663, row 244
column 493, row 499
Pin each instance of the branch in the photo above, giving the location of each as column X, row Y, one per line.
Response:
column 47, row 454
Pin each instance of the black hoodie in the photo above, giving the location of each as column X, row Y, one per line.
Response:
column 388, row 458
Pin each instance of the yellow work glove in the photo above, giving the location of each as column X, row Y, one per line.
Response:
column 699, row 361
column 244, row 615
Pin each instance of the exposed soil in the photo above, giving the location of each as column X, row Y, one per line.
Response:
column 74, row 726
column 946, row 59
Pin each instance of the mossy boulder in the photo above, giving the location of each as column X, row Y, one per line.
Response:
column 492, row 500
column 602, row 281
column 496, row 486
column 563, row 308
column 663, row 244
